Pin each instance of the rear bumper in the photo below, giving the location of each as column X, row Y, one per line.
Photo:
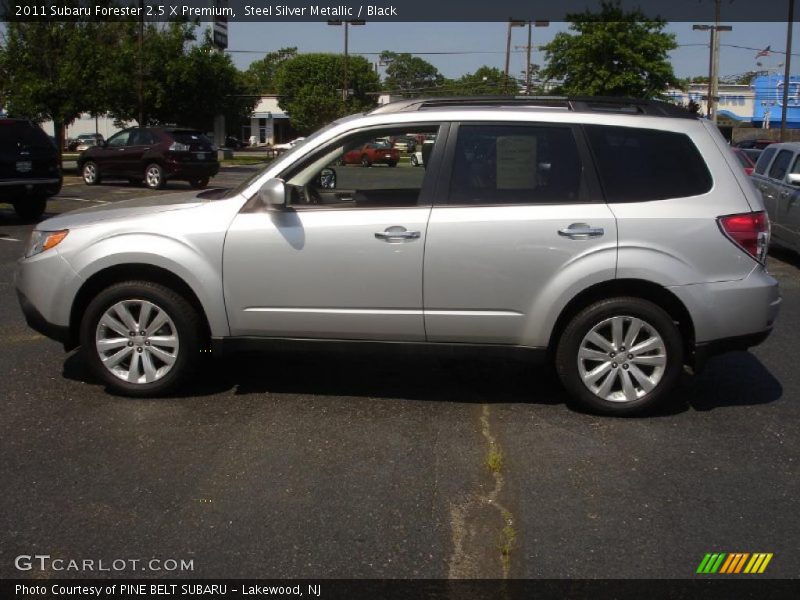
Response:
column 19, row 188
column 191, row 170
column 705, row 350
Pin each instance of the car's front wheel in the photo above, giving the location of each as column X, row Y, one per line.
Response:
column 620, row 356
column 141, row 338
column 154, row 177
column 365, row 161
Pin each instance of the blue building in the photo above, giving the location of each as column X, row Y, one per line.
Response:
column 768, row 101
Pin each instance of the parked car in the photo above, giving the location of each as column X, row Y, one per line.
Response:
column 620, row 238
column 744, row 160
column 405, row 144
column 371, row 153
column 85, row 141
column 233, row 143
column 758, row 144
column 753, row 153
column 421, row 156
column 153, row 154
column 29, row 167
column 288, row 145
column 777, row 176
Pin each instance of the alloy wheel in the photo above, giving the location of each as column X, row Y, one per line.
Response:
column 137, row 341
column 622, row 358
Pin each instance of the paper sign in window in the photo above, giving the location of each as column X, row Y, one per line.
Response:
column 516, row 162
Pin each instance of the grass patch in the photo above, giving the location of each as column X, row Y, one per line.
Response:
column 494, row 460
column 508, row 541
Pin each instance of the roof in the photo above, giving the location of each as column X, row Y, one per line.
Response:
column 590, row 104
column 268, row 107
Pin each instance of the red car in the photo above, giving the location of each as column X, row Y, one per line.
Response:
column 372, row 153
column 747, row 163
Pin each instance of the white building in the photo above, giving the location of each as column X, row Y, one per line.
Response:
column 269, row 124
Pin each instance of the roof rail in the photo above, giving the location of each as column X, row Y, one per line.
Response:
column 634, row 106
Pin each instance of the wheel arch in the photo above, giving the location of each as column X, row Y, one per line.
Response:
column 129, row 272
column 638, row 288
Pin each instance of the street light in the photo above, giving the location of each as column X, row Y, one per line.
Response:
column 528, row 48
column 511, row 23
column 347, row 23
column 713, row 63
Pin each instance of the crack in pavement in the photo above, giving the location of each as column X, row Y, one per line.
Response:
column 474, row 533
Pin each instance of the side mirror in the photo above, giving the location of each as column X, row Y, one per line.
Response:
column 273, row 194
column 327, row 179
column 793, row 178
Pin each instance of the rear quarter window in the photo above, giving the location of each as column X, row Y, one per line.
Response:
column 14, row 134
column 637, row 165
column 780, row 165
column 763, row 160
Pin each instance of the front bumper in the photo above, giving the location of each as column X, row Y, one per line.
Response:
column 38, row 323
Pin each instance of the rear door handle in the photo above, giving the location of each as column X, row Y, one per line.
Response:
column 397, row 233
column 581, row 231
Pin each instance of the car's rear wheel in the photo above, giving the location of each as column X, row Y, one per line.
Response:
column 365, row 162
column 154, row 176
column 30, row 209
column 91, row 173
column 199, row 184
column 414, row 161
column 141, row 338
column 620, row 356
column 392, row 164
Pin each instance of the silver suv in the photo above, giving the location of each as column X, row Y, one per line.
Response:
column 619, row 238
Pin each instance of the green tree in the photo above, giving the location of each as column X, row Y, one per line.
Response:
column 260, row 75
column 309, row 88
column 612, row 53
column 409, row 75
column 486, row 81
column 44, row 76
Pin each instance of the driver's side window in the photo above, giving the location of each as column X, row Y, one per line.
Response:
column 120, row 139
column 366, row 169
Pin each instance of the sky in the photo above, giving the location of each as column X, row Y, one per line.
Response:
column 471, row 45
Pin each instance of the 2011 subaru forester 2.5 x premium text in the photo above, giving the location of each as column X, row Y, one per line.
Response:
column 621, row 238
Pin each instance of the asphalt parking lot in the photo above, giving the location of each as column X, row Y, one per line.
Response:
column 359, row 466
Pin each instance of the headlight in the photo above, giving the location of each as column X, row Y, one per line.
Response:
column 44, row 240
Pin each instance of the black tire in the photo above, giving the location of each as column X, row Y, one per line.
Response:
column 187, row 325
column 414, row 161
column 199, row 184
column 30, row 209
column 619, row 366
column 365, row 162
column 392, row 164
column 154, row 177
column 90, row 171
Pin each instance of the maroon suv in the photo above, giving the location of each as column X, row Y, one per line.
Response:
column 153, row 155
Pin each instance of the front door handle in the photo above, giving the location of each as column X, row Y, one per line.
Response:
column 397, row 233
column 581, row 231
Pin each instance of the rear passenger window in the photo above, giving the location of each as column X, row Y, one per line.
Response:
column 764, row 159
column 516, row 164
column 636, row 165
column 780, row 164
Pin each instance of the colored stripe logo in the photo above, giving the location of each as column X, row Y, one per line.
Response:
column 734, row 563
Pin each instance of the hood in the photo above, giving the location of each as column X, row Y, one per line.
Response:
column 121, row 210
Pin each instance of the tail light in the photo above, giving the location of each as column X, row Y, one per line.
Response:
column 748, row 170
column 749, row 231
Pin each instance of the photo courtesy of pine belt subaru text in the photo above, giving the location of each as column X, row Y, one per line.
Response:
column 619, row 239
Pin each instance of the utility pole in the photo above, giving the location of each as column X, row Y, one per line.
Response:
column 529, row 48
column 713, row 62
column 787, row 72
column 141, row 63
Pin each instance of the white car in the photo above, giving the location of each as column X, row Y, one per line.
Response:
column 289, row 145
column 418, row 157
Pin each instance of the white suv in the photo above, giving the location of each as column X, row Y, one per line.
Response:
column 618, row 237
